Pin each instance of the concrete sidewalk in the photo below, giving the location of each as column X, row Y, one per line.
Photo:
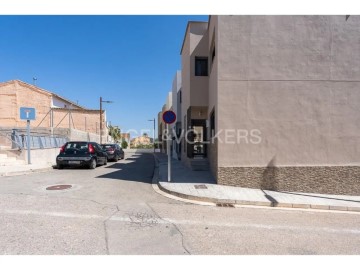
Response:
column 201, row 186
column 11, row 170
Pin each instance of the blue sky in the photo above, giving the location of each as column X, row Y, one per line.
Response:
column 130, row 60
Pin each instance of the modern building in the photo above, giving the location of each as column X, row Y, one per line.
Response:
column 162, row 128
column 273, row 102
column 53, row 112
column 176, row 108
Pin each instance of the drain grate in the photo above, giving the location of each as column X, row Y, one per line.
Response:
column 225, row 205
column 59, row 187
column 200, row 186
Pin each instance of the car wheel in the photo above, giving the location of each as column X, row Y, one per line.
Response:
column 92, row 164
column 60, row 167
column 105, row 162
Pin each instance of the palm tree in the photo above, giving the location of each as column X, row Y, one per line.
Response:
column 115, row 133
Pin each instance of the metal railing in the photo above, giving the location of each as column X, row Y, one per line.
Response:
column 18, row 139
column 7, row 137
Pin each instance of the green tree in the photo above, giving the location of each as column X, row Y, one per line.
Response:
column 115, row 133
column 124, row 144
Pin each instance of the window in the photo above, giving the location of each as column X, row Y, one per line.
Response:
column 180, row 96
column 201, row 66
column 212, row 52
column 78, row 146
column 212, row 123
column 213, row 55
column 185, row 129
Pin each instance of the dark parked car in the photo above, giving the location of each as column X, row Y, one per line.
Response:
column 88, row 154
column 114, row 151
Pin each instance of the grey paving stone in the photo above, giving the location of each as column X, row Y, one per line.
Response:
column 339, row 208
column 356, row 209
column 300, row 205
column 282, row 204
column 319, row 206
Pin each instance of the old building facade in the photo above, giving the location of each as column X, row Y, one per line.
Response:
column 53, row 112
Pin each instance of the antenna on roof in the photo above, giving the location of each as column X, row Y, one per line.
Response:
column 34, row 80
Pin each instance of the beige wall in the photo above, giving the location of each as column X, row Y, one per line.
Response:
column 199, row 93
column 297, row 80
column 213, row 91
column 194, row 88
column 289, row 86
column 78, row 122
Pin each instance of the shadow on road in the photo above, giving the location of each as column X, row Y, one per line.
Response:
column 140, row 169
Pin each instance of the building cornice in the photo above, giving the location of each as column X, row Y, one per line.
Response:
column 186, row 31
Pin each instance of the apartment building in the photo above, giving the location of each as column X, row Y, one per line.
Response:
column 162, row 128
column 273, row 102
column 176, row 108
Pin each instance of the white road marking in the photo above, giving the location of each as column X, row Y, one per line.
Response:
column 185, row 222
column 52, row 214
column 264, row 226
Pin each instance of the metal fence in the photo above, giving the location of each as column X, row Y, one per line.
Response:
column 37, row 141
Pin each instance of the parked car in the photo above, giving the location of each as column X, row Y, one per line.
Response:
column 114, row 151
column 81, row 153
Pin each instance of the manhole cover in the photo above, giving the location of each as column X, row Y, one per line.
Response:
column 200, row 186
column 59, row 187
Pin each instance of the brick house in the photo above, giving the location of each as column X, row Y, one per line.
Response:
column 52, row 110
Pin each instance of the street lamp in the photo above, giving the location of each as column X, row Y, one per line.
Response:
column 101, row 102
column 153, row 133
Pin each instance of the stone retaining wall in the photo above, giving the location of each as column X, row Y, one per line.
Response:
column 324, row 179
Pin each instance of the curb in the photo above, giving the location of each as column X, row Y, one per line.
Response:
column 157, row 188
column 17, row 173
column 260, row 203
column 214, row 201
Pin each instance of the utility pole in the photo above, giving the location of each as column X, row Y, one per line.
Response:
column 69, row 118
column 153, row 134
column 101, row 101
column 100, row 119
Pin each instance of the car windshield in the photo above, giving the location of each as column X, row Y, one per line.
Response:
column 79, row 146
column 107, row 146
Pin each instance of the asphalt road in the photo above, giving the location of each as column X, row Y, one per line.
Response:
column 114, row 210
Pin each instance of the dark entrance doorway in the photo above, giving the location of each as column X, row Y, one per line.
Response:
column 197, row 139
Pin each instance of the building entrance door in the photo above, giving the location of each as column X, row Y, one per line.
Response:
column 197, row 145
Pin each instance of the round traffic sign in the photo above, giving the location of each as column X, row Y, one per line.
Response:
column 169, row 117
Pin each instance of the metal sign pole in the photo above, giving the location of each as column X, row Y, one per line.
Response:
column 168, row 152
column 169, row 117
column 28, row 141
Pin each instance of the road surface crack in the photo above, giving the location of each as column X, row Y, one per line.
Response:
column 175, row 226
column 106, row 230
